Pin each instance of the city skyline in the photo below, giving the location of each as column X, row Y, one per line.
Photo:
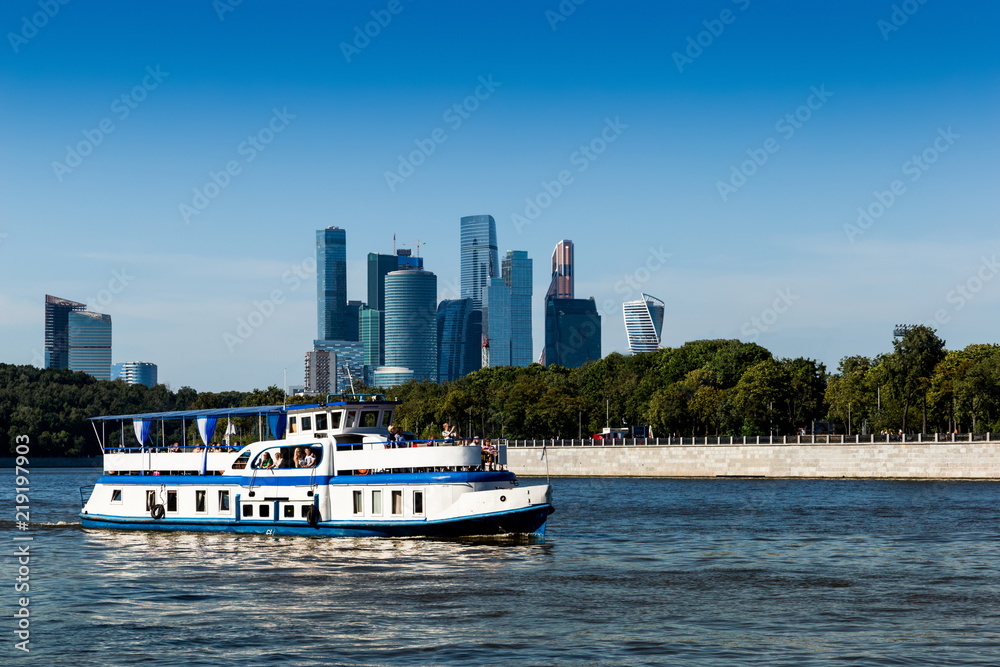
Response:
column 786, row 174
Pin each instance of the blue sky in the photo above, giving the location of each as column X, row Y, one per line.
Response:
column 729, row 147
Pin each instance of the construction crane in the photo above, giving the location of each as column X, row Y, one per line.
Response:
column 417, row 243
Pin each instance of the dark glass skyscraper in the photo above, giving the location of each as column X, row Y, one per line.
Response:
column 411, row 322
column 572, row 332
column 517, row 276
column 57, row 330
column 480, row 258
column 497, row 323
column 333, row 319
column 459, row 328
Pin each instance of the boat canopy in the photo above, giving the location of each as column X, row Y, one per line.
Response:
column 209, row 412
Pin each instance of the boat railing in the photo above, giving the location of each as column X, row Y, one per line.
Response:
column 404, row 444
column 180, row 449
column 85, row 492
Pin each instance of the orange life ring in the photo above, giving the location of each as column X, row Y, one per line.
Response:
column 363, row 471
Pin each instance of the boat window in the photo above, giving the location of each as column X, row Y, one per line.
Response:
column 116, row 495
column 241, row 462
column 351, row 416
column 199, row 500
column 293, row 424
column 358, row 503
column 418, row 502
column 150, row 500
column 386, row 418
column 397, row 502
column 369, row 419
column 264, row 511
column 307, row 423
column 320, row 421
column 289, row 511
column 335, row 418
column 305, row 510
column 223, row 501
column 248, row 510
column 377, row 502
column 171, row 501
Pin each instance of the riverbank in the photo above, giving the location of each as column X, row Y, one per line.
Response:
column 979, row 460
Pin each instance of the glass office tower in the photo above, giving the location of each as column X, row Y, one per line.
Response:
column 379, row 266
column 57, row 330
column 572, row 332
column 480, row 259
column 90, row 343
column 411, row 322
column 643, row 323
column 496, row 323
column 460, row 330
column 135, row 372
column 333, row 319
column 516, row 271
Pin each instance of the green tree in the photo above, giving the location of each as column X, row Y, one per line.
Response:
column 911, row 366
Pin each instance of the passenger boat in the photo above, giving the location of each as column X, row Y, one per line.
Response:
column 330, row 469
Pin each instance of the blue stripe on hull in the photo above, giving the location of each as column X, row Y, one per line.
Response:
column 527, row 521
column 307, row 480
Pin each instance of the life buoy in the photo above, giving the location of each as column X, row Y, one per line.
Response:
column 157, row 511
column 363, row 471
column 312, row 515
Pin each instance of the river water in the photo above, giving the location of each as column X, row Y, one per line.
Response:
column 632, row 572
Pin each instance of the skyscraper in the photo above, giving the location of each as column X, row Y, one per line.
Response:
column 135, row 372
column 507, row 313
column 90, row 343
column 496, row 324
column 480, row 259
column 57, row 330
column 334, row 321
column 517, row 276
column 460, row 329
column 572, row 332
column 333, row 364
column 643, row 323
column 561, row 286
column 411, row 322
column 379, row 266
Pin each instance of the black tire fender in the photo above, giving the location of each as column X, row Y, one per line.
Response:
column 157, row 511
column 312, row 515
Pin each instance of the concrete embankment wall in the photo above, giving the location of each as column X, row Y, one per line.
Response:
column 958, row 460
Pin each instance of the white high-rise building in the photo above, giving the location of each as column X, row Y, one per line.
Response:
column 643, row 323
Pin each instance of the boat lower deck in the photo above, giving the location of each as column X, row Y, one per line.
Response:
column 526, row 521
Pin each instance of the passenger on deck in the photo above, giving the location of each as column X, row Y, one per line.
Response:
column 265, row 461
column 489, row 455
column 176, row 447
column 309, row 460
column 396, row 437
column 450, row 433
column 298, row 456
column 278, row 460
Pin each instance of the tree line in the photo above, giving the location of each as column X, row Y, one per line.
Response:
column 704, row 387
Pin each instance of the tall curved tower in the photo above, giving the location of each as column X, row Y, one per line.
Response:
column 411, row 322
column 480, row 259
column 644, row 323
